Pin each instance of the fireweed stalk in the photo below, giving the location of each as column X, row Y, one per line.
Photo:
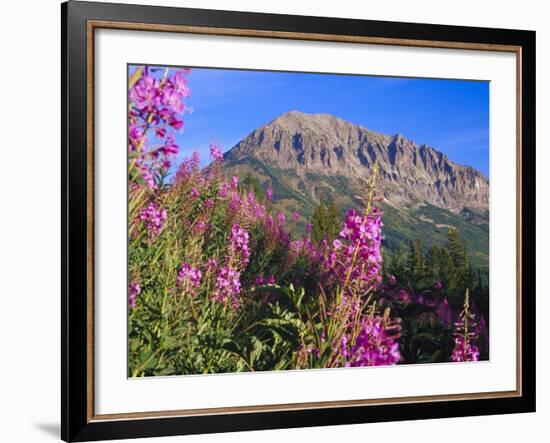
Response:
column 465, row 335
column 354, row 334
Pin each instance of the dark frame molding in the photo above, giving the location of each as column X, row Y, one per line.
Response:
column 78, row 422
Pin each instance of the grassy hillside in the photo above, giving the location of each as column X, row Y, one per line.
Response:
column 431, row 225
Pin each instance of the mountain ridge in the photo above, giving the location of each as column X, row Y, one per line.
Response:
column 330, row 146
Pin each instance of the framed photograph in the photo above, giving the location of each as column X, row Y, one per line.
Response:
column 277, row 221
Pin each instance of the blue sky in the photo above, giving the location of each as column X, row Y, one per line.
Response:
column 450, row 115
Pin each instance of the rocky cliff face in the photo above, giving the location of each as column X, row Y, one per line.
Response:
column 321, row 145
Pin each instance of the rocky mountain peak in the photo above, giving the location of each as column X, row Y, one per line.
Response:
column 324, row 145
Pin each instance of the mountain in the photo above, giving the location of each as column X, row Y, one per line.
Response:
column 307, row 157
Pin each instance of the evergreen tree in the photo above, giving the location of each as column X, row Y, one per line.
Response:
column 461, row 276
column 415, row 264
column 479, row 285
column 399, row 263
column 333, row 221
column 387, row 262
column 325, row 221
column 445, row 267
column 250, row 183
column 432, row 264
column 457, row 251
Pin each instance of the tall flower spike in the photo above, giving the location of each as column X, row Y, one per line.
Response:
column 189, row 278
column 355, row 258
column 215, row 152
column 153, row 219
column 465, row 349
column 156, row 105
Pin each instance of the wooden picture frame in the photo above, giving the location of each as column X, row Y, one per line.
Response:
column 79, row 22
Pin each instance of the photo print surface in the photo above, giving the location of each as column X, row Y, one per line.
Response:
column 287, row 221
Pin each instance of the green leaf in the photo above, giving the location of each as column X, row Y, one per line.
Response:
column 257, row 347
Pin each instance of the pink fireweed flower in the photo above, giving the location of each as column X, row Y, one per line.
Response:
column 170, row 147
column 309, row 249
column 356, row 254
column 174, row 90
column 283, row 237
column 295, row 216
column 344, row 346
column 200, row 227
column 228, row 286
column 134, row 289
column 135, row 135
column 464, row 351
column 309, row 228
column 296, row 247
column 258, row 212
column 194, row 193
column 153, row 219
column 238, row 245
column 204, row 182
column 211, row 263
column 375, row 345
column 404, row 296
column 146, row 94
column 269, row 193
column 189, row 278
column 160, row 132
column 195, row 159
column 175, row 123
column 180, row 83
column 234, row 182
column 251, row 210
column 186, row 168
column 235, row 202
column 465, row 333
column 304, row 248
column 223, row 189
column 172, row 101
column 148, row 176
column 155, row 105
column 215, row 153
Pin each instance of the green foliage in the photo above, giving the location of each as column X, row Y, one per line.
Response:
column 325, row 221
column 419, row 268
column 424, row 338
column 251, row 183
column 416, row 270
column 432, row 224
